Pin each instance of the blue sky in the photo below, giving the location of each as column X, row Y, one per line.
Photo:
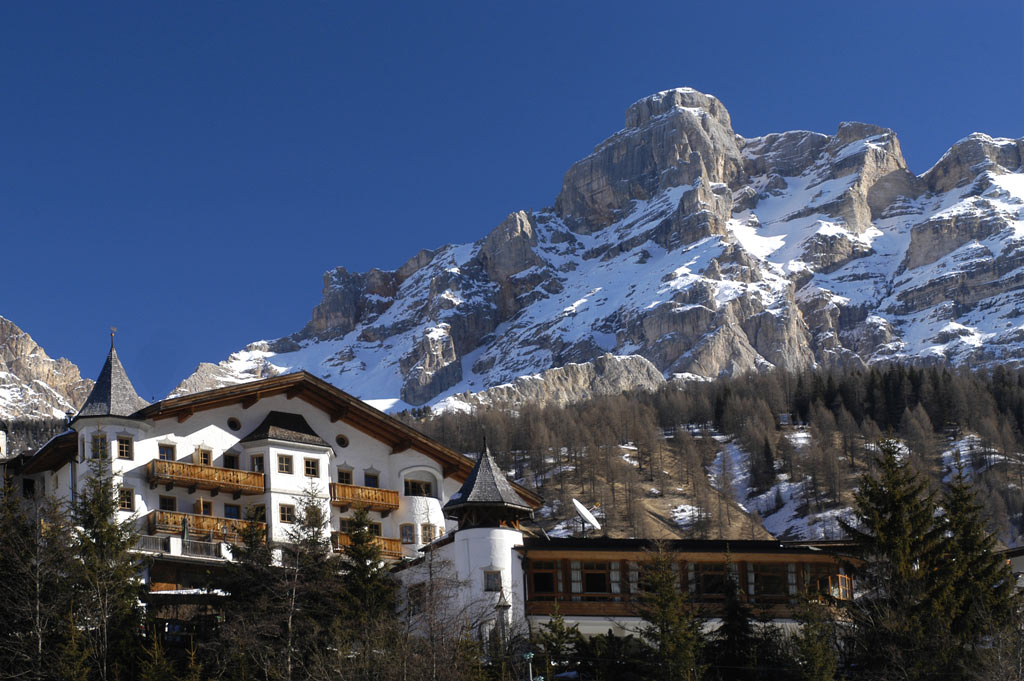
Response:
column 187, row 171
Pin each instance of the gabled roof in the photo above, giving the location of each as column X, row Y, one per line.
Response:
column 337, row 404
column 113, row 394
column 487, row 486
column 280, row 425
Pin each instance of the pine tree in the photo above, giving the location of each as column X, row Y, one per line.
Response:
column 813, row 645
column 733, row 646
column 898, row 621
column 558, row 644
column 979, row 598
column 110, row 588
column 369, row 587
column 671, row 629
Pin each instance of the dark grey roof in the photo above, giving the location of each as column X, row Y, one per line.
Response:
column 280, row 425
column 486, row 486
column 113, row 394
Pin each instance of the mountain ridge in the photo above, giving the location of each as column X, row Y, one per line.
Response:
column 704, row 252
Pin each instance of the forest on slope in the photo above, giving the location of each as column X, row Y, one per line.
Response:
column 776, row 453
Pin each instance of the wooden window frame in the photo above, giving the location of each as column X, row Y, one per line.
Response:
column 344, row 476
column 126, row 499
column 428, row 532
column 201, row 505
column 238, row 511
column 545, row 567
column 231, row 457
column 489, row 576
column 375, row 480
column 284, row 464
column 203, row 456
column 418, row 488
column 125, row 448
column 286, row 514
column 163, row 449
column 258, row 512
column 98, row 445
column 257, row 463
column 313, row 465
column 407, row 532
column 173, row 504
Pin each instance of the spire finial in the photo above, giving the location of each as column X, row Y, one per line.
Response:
column 113, row 330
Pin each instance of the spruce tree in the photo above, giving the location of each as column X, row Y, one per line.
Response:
column 109, row 591
column 369, row 587
column 558, row 644
column 671, row 627
column 898, row 620
column 980, row 597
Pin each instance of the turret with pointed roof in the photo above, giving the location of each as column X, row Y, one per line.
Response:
column 113, row 394
column 487, row 498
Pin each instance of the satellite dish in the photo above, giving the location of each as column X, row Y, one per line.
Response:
column 587, row 517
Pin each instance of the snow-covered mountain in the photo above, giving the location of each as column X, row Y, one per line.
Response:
column 683, row 248
column 32, row 385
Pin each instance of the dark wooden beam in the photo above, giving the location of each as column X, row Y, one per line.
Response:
column 185, row 415
column 339, row 413
column 400, row 446
column 250, row 400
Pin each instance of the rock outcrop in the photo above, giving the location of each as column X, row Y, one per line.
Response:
column 703, row 252
column 32, row 385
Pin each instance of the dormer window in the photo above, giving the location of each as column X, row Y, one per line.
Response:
column 203, row 456
column 419, row 488
column 166, row 452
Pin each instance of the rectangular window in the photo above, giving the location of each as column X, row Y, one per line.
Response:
column 418, row 488
column 284, row 463
column 125, row 448
column 311, row 468
column 257, row 463
column 233, row 511
column 258, row 512
column 287, row 513
column 417, row 598
column 203, row 507
column 596, row 578
column 376, row 529
column 126, row 499
column 231, row 461
column 99, row 445
column 371, row 480
column 166, row 452
column 204, row 457
column 427, row 532
column 168, row 504
column 344, row 476
column 408, row 533
column 492, row 580
column 542, row 574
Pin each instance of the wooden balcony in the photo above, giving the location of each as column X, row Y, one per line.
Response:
column 389, row 548
column 200, row 527
column 195, row 476
column 371, row 498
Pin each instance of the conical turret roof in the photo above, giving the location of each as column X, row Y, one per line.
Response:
column 113, row 394
column 487, row 486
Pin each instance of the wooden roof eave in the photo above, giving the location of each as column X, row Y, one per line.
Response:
column 332, row 401
column 54, row 454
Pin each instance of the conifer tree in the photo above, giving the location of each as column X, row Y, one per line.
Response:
column 558, row 644
column 980, row 598
column 109, row 591
column 734, row 644
column 898, row 621
column 671, row 629
column 369, row 587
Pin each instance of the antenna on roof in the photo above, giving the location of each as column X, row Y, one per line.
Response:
column 586, row 517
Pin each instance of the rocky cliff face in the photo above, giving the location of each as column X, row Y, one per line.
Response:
column 703, row 252
column 33, row 386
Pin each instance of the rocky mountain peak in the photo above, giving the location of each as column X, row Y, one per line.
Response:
column 671, row 139
column 699, row 251
column 32, row 385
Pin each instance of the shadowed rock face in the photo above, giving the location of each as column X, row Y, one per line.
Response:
column 700, row 251
column 32, row 385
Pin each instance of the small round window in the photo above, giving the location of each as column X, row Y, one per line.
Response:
column 234, row 424
column 342, row 441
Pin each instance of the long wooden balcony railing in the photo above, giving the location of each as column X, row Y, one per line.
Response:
column 389, row 548
column 200, row 527
column 345, row 496
column 197, row 476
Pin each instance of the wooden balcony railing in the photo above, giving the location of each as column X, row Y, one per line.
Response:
column 196, row 476
column 200, row 527
column 389, row 548
column 383, row 500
